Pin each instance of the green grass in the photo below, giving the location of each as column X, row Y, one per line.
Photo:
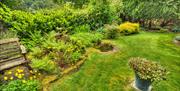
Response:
column 110, row 72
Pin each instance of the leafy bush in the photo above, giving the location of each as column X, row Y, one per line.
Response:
column 75, row 48
column 45, row 64
column 111, row 31
column 129, row 28
column 87, row 39
column 36, row 52
column 100, row 13
column 148, row 70
column 73, row 52
column 21, row 85
column 35, row 39
column 58, row 51
column 76, row 56
column 83, row 28
column 163, row 30
column 176, row 29
column 69, row 19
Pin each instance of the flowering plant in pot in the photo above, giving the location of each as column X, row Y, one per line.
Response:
column 146, row 72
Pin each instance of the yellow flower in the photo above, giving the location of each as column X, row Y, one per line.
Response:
column 11, row 78
column 35, row 71
column 16, row 74
column 9, row 72
column 5, row 78
column 51, row 62
column 34, row 77
column 39, row 74
column 17, row 70
column 31, row 71
column 21, row 71
column 24, row 81
column 30, row 78
column 20, row 76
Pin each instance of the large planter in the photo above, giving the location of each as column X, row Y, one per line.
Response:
column 146, row 72
column 143, row 85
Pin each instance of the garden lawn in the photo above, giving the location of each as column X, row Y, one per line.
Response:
column 110, row 72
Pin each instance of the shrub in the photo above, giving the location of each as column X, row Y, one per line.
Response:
column 35, row 39
column 111, row 31
column 36, row 52
column 129, row 28
column 176, row 29
column 148, row 70
column 21, row 85
column 52, row 50
column 73, row 52
column 45, row 64
column 76, row 56
column 69, row 19
column 100, row 30
column 87, row 39
column 75, row 48
column 83, row 28
column 100, row 13
column 163, row 30
column 52, row 45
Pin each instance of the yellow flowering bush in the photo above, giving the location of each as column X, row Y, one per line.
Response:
column 129, row 28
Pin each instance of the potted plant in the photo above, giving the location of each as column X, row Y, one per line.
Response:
column 146, row 72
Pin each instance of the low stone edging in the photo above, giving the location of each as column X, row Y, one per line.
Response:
column 51, row 78
column 72, row 68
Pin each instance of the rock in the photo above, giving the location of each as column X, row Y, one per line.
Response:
column 47, row 80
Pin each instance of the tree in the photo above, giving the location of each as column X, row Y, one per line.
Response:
column 148, row 12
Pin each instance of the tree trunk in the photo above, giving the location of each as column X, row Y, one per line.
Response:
column 165, row 23
column 150, row 24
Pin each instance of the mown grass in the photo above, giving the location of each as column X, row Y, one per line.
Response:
column 110, row 72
